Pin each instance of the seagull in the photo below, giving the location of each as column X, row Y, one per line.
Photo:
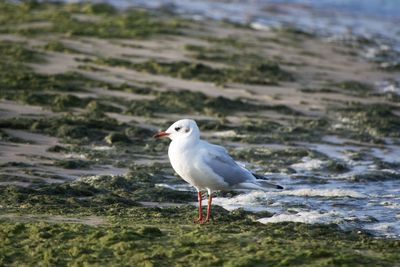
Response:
column 206, row 166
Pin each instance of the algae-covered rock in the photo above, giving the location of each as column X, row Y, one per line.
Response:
column 232, row 243
column 375, row 176
column 371, row 122
column 114, row 138
column 150, row 231
column 72, row 164
column 189, row 102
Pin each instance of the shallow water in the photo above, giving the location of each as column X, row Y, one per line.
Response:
column 370, row 206
column 368, row 18
column 314, row 195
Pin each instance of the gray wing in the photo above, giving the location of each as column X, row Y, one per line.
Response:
column 219, row 161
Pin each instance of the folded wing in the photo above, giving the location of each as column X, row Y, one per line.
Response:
column 219, row 161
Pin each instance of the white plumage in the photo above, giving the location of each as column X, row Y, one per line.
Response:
column 207, row 166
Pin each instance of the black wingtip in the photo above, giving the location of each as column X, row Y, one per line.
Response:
column 279, row 187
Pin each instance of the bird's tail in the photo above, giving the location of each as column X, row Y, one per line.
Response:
column 263, row 182
column 257, row 185
column 266, row 184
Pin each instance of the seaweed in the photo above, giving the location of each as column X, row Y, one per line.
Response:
column 370, row 122
column 189, row 102
column 355, row 87
column 129, row 240
column 258, row 73
column 57, row 46
column 72, row 164
column 85, row 19
column 17, row 51
column 276, row 160
column 72, row 128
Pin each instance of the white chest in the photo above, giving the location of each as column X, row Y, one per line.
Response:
column 180, row 158
column 186, row 159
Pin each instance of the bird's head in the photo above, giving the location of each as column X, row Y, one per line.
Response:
column 182, row 129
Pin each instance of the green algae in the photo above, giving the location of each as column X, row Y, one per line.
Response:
column 114, row 138
column 250, row 67
column 85, row 19
column 235, row 242
column 263, row 72
column 5, row 137
column 15, row 75
column 318, row 90
column 55, row 102
column 182, row 69
column 395, row 67
column 263, row 131
column 219, row 124
column 73, row 128
column 98, row 194
column 56, row 46
column 17, row 51
column 293, row 32
column 188, row 102
column 131, row 24
column 371, row 122
column 393, row 97
column 232, row 41
column 375, row 176
column 276, row 161
column 72, row 163
column 355, row 87
column 368, row 123
column 20, row 82
column 337, row 166
column 57, row 149
column 141, row 90
column 99, row 107
column 346, row 87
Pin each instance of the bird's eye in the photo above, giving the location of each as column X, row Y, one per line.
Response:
column 177, row 129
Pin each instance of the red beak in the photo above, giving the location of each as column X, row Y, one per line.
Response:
column 160, row 134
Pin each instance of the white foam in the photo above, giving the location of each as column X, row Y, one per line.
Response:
column 387, row 86
column 308, row 164
column 260, row 26
column 309, row 217
column 249, row 201
column 390, row 205
column 390, row 154
column 94, row 178
column 177, row 187
column 261, row 201
column 387, row 229
column 102, row 148
column 310, row 192
column 229, row 133
column 333, row 139
column 75, row 156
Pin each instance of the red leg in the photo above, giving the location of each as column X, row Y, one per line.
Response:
column 208, row 210
column 199, row 199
